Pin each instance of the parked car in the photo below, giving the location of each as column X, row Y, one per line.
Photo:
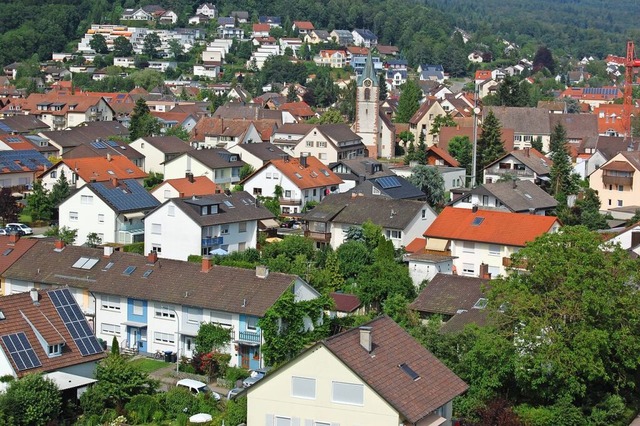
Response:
column 22, row 226
column 291, row 224
column 255, row 376
column 13, row 229
column 233, row 392
column 197, row 387
column 3, row 231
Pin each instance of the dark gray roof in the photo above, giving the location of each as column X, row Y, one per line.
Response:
column 215, row 158
column 247, row 112
column 264, row 151
column 236, row 207
column 352, row 209
column 447, row 294
column 365, row 168
column 222, row 288
column 22, row 124
column 532, row 121
column 127, row 196
column 518, row 196
column 577, row 126
column 610, row 146
column 168, row 144
column 394, row 187
column 84, row 134
column 338, row 132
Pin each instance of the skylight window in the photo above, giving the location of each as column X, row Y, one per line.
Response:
column 298, row 175
column 85, row 263
column 325, row 172
column 481, row 303
column 109, row 265
column 147, row 273
column 7, row 251
column 110, row 172
column 228, row 204
column 409, row 372
column 477, row 221
column 129, row 270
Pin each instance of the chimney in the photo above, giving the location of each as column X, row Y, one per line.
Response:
column 189, row 177
column 152, row 257
column 107, row 251
column 484, row 271
column 35, row 297
column 108, row 156
column 114, row 181
column 303, row 160
column 527, row 151
column 14, row 237
column 365, row 338
column 474, row 208
column 59, row 245
column 206, row 264
column 532, row 210
column 262, row 271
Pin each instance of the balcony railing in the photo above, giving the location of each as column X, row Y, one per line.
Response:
column 290, row 201
column 250, row 336
column 617, row 180
column 323, row 237
column 211, row 241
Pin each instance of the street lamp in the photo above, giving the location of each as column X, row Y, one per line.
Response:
column 474, row 160
column 177, row 342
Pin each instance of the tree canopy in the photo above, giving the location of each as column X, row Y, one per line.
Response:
column 409, row 101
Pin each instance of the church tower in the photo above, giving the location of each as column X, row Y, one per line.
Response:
column 367, row 123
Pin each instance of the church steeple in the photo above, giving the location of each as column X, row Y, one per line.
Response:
column 368, row 73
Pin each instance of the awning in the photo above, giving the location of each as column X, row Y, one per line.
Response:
column 432, row 420
column 269, row 223
column 66, row 381
column 134, row 324
column 437, row 244
column 136, row 215
column 546, row 178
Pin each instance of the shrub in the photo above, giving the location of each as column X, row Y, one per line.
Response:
column 234, row 374
column 179, row 401
column 141, row 408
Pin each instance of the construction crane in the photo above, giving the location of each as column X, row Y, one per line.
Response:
column 630, row 63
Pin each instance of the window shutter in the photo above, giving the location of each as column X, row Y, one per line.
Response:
column 269, row 420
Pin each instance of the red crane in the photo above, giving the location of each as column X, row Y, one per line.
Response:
column 629, row 64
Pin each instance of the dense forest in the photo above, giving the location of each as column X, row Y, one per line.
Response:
column 422, row 29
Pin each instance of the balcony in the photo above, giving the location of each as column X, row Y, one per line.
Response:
column 617, row 180
column 290, row 201
column 211, row 241
column 323, row 237
column 250, row 337
column 513, row 172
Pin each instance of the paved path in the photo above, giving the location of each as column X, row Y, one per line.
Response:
column 168, row 379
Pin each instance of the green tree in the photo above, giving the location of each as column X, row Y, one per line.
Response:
column 353, row 256
column 384, row 278
column 39, row 203
column 292, row 96
column 409, row 101
column 151, row 45
column 59, row 192
column 382, row 87
column 490, row 146
column 543, row 59
column 176, row 49
column 513, row 93
column 115, row 346
column 430, row 181
column 9, row 209
column 142, row 122
column 179, row 132
column 93, row 240
column 330, row 116
column 122, row 47
column 572, row 319
column 461, row 148
column 31, row 400
column 246, row 171
column 99, row 44
column 586, row 212
column 64, row 234
column 211, row 337
column 439, row 122
column 563, row 181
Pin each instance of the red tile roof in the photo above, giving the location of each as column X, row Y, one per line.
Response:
column 345, row 302
column 444, row 155
column 200, row 186
column 261, row 28
column 416, row 246
column 98, row 168
column 312, row 176
column 16, row 142
column 511, row 229
column 483, row 74
column 392, row 347
column 356, row 50
column 18, row 248
column 298, row 109
column 303, row 25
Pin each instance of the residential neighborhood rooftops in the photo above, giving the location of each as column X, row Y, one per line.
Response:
column 100, row 169
column 381, row 368
column 312, row 175
column 264, row 150
column 447, row 294
column 22, row 124
column 22, row 161
column 531, row 158
column 345, row 302
column 125, row 195
column 199, row 185
column 531, row 121
column 518, row 196
column 234, row 207
column 83, row 134
column 489, row 226
column 168, row 144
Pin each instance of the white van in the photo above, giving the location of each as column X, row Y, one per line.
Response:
column 197, row 387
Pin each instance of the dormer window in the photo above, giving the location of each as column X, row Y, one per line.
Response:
column 209, row 210
column 54, row 350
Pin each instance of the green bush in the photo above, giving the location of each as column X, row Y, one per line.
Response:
column 234, row 374
column 141, row 408
column 179, row 401
column 134, row 248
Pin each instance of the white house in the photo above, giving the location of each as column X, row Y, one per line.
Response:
column 113, row 210
column 207, row 9
column 301, row 180
column 187, row 186
column 158, row 150
column 212, row 224
column 219, row 165
column 330, row 143
column 257, row 154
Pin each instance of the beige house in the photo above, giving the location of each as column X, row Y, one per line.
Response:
column 330, row 143
column 373, row 375
column 423, row 119
column 617, row 184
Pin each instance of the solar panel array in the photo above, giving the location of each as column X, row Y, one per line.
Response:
column 130, row 197
column 5, row 128
column 611, row 91
column 99, row 144
column 14, row 161
column 21, row 351
column 75, row 322
column 112, row 143
column 388, row 182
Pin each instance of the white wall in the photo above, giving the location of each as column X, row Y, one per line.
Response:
column 88, row 217
column 153, row 157
column 421, row 270
column 179, row 236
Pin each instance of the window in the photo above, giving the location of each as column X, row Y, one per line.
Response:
column 167, row 194
column 609, row 201
column 164, row 312
column 194, row 315
column 468, row 247
column 315, row 192
column 620, row 188
column 347, row 393
column 54, row 350
column 224, row 229
column 242, row 246
column 257, row 191
column 619, row 203
column 367, row 94
column 309, row 144
column 242, row 227
column 112, row 329
column 268, row 175
column 171, row 210
column 164, row 338
column 156, row 228
column 157, row 248
column 494, row 250
column 424, row 213
column 101, row 218
column 321, row 144
column 282, row 421
column 73, row 216
column 467, row 269
column 287, row 194
column 252, row 323
column 276, row 175
column 322, row 156
column 303, row 387
column 391, row 234
column 222, row 319
column 111, row 303
column 86, row 199
column 54, row 174
column 138, row 307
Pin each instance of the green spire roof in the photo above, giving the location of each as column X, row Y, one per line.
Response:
column 368, row 72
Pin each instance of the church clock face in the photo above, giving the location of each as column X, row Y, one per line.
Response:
column 367, row 83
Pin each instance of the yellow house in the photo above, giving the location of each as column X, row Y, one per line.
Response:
column 617, row 182
column 376, row 374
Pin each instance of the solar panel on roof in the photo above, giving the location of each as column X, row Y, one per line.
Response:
column 5, row 128
column 389, row 182
column 21, row 351
column 75, row 322
column 134, row 198
column 99, row 144
column 112, row 143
